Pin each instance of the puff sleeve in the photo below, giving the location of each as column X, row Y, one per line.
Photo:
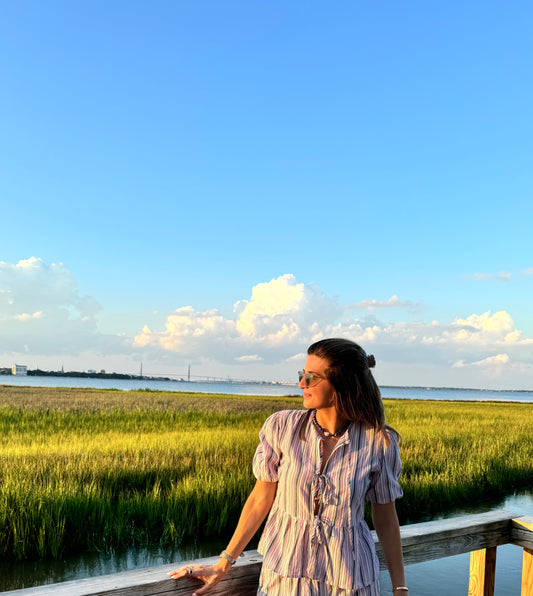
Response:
column 268, row 453
column 384, row 486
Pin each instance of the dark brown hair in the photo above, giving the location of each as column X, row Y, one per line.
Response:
column 357, row 395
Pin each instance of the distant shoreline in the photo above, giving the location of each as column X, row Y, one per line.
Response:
column 127, row 377
column 6, row 372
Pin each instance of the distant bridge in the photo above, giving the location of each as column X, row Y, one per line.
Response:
column 214, row 379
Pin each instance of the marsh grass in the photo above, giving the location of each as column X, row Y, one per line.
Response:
column 84, row 469
column 456, row 453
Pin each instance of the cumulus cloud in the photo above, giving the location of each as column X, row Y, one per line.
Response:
column 31, row 285
column 490, row 362
column 528, row 271
column 250, row 358
column 489, row 329
column 502, row 276
column 279, row 317
column 300, row 357
column 280, row 310
column 27, row 316
column 284, row 315
column 190, row 332
column 42, row 311
column 373, row 305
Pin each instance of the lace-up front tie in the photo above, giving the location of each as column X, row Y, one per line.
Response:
column 323, row 490
column 321, row 528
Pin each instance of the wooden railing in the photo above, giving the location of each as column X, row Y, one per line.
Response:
column 478, row 534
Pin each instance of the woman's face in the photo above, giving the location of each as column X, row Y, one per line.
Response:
column 319, row 396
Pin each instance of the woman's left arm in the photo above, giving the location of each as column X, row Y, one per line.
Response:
column 388, row 530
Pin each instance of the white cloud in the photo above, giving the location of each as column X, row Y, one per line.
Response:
column 280, row 317
column 487, row 329
column 42, row 311
column 490, row 362
column 497, row 360
column 300, row 357
column 284, row 315
column 27, row 316
column 282, row 309
column 373, row 305
column 250, row 358
column 528, row 271
column 32, row 285
column 502, row 276
column 190, row 332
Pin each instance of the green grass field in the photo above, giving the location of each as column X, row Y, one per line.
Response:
column 84, row 469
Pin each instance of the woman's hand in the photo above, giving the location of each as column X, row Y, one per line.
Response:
column 209, row 574
column 253, row 514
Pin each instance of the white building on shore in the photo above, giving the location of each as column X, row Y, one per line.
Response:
column 19, row 369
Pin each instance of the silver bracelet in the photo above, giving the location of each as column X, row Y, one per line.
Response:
column 229, row 558
column 404, row 588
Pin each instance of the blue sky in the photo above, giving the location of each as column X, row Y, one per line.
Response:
column 222, row 183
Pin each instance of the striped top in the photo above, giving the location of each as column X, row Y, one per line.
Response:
column 335, row 546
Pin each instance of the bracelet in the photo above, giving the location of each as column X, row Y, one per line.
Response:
column 404, row 588
column 229, row 558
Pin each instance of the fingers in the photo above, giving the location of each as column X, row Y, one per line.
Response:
column 187, row 571
column 205, row 573
column 209, row 585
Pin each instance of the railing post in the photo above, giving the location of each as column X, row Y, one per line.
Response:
column 482, row 572
column 522, row 535
column 527, row 572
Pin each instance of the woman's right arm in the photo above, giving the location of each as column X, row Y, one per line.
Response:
column 253, row 514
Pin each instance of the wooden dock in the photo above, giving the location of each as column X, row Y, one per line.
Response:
column 479, row 534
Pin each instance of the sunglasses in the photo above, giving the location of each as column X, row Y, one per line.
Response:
column 310, row 379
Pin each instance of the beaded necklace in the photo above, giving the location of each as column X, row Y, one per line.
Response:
column 325, row 432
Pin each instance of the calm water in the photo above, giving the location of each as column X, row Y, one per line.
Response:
column 263, row 388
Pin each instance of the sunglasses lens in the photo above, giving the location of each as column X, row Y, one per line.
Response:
column 306, row 376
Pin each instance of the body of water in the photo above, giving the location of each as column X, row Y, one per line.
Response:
column 439, row 393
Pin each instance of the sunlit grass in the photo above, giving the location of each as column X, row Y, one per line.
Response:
column 455, row 453
column 84, row 469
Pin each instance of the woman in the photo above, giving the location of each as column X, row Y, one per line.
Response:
column 314, row 470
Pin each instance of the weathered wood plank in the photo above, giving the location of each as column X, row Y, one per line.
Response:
column 527, row 573
column 522, row 535
column 482, row 572
column 241, row 581
column 421, row 542
column 454, row 536
column 522, row 531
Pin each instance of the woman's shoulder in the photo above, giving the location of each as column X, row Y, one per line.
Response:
column 286, row 417
column 284, row 420
column 281, row 426
column 383, row 438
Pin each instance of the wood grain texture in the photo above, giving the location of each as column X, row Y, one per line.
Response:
column 482, row 572
column 152, row 581
column 522, row 531
column 443, row 538
column 522, row 535
column 527, row 573
column 421, row 542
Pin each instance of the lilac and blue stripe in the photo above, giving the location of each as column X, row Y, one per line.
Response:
column 335, row 547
